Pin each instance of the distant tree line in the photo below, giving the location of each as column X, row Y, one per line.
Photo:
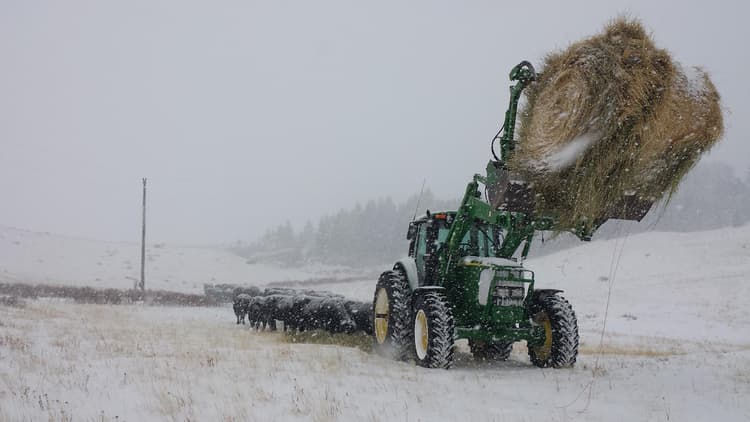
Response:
column 367, row 234
column 710, row 197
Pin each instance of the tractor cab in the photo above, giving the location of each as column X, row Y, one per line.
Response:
column 427, row 235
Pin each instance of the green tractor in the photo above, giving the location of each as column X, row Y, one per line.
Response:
column 463, row 277
column 460, row 280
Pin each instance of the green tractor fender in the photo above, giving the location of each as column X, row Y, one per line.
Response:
column 408, row 267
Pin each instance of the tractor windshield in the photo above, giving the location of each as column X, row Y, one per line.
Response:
column 481, row 240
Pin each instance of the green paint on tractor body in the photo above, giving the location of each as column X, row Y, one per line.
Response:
column 469, row 254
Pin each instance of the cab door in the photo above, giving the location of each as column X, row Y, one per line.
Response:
column 420, row 250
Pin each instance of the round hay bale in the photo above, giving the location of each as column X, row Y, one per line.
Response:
column 687, row 123
column 610, row 122
column 589, row 93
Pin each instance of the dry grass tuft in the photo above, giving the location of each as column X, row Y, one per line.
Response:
column 14, row 343
column 11, row 301
column 628, row 351
column 84, row 294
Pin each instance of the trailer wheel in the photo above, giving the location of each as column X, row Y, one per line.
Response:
column 433, row 330
column 391, row 315
column 560, row 347
column 491, row 351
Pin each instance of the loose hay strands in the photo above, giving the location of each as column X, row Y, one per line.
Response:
column 685, row 125
column 612, row 116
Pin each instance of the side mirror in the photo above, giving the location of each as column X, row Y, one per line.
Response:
column 412, row 232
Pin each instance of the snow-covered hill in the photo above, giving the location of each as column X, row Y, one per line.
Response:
column 690, row 286
column 33, row 257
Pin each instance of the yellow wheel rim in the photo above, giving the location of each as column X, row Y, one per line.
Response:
column 421, row 334
column 544, row 351
column 381, row 315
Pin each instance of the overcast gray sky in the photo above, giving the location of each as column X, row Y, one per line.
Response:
column 245, row 114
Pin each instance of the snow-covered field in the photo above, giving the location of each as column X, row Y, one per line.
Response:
column 676, row 348
column 45, row 258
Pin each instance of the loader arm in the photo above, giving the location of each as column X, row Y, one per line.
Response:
column 517, row 227
column 524, row 73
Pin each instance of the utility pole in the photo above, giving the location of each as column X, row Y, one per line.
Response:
column 142, row 284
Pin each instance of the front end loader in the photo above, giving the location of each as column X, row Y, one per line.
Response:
column 463, row 277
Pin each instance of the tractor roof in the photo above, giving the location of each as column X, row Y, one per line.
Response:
column 437, row 215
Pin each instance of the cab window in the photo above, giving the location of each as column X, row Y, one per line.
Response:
column 422, row 240
column 478, row 241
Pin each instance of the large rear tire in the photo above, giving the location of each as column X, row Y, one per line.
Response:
column 392, row 315
column 560, row 347
column 433, row 331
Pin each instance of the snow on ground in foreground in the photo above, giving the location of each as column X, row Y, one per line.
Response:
column 33, row 257
column 61, row 361
column 677, row 347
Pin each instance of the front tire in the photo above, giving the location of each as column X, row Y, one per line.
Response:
column 392, row 315
column 433, row 331
column 560, row 347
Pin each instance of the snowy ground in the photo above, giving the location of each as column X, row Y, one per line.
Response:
column 676, row 347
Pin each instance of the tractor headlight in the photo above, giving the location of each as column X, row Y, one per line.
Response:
column 516, row 292
column 505, row 295
column 521, row 275
column 502, row 291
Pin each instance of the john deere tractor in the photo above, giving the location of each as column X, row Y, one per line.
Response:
column 463, row 277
